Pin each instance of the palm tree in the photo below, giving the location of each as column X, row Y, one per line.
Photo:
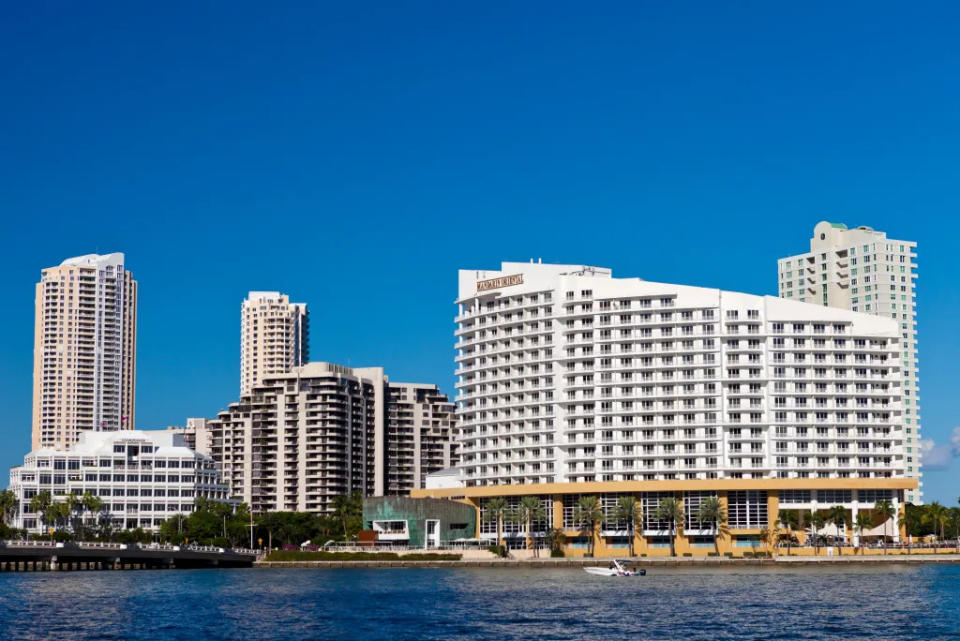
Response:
column 56, row 514
column 8, row 506
column 528, row 512
column 863, row 522
column 628, row 511
column 587, row 514
column 712, row 511
column 817, row 522
column 837, row 515
column 74, row 508
column 790, row 520
column 937, row 516
column 92, row 504
column 496, row 509
column 40, row 504
column 670, row 510
column 347, row 509
column 556, row 539
column 769, row 535
column 884, row 509
column 955, row 525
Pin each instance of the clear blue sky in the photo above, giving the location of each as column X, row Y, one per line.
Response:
column 356, row 157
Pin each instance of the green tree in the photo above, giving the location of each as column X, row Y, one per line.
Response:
column 40, row 504
column 770, row 535
column 93, row 505
column 790, row 521
column 955, row 524
column 556, row 539
column 587, row 513
column 348, row 512
column 8, row 506
column 496, row 511
column 670, row 511
column 863, row 522
column 712, row 511
column 74, row 511
column 628, row 511
column 210, row 523
column 886, row 512
column 57, row 514
column 937, row 517
column 817, row 521
column 529, row 512
column 837, row 515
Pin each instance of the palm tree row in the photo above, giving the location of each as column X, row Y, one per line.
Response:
column 799, row 520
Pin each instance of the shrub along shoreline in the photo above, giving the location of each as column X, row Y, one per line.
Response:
column 320, row 555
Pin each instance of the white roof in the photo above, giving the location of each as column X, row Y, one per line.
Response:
column 115, row 259
column 169, row 444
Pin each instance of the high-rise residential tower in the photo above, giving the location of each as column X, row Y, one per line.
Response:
column 274, row 337
column 420, row 435
column 863, row 271
column 301, row 438
column 85, row 350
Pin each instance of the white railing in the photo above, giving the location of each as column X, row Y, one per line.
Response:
column 96, row 545
column 32, row 544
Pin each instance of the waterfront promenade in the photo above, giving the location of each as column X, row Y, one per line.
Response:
column 24, row 556
column 673, row 562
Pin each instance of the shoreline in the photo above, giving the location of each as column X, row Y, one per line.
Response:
column 673, row 562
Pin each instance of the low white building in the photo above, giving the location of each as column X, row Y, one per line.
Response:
column 447, row 478
column 142, row 477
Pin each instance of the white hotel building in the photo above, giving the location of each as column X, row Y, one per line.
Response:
column 568, row 374
column 862, row 270
column 572, row 382
column 142, row 477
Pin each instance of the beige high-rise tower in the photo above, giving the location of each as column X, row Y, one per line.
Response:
column 274, row 337
column 862, row 270
column 85, row 350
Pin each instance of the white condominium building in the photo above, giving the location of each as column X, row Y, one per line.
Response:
column 420, row 435
column 85, row 350
column 142, row 477
column 567, row 374
column 274, row 337
column 862, row 270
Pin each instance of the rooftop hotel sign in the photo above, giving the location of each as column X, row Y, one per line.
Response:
column 497, row 283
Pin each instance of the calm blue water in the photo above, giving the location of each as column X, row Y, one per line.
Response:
column 397, row 604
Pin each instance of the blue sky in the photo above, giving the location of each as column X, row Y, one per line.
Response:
column 356, row 157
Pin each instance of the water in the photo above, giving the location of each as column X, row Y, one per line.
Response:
column 901, row 602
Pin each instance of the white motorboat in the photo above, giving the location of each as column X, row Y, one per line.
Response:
column 616, row 568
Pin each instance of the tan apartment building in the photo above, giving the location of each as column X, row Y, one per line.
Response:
column 196, row 434
column 274, row 337
column 862, row 270
column 85, row 350
column 299, row 439
column 420, row 435
column 302, row 438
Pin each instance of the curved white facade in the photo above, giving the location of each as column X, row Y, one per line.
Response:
column 567, row 374
column 143, row 478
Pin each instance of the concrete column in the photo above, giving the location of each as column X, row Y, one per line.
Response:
column 853, row 517
column 813, row 507
column 53, row 563
column 896, row 516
